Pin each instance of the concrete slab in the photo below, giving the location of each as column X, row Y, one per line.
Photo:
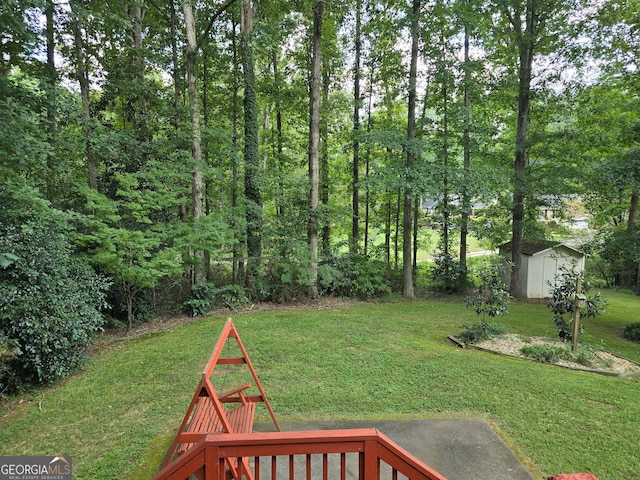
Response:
column 459, row 449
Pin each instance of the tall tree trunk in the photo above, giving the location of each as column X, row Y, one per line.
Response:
column 52, row 75
column 416, row 230
column 446, row 215
column 324, row 162
column 237, row 263
column 367, row 168
column 173, row 20
column 387, row 229
column 407, row 234
column 77, row 15
column 466, row 154
column 139, row 117
column 280, row 200
column 526, row 42
column 207, row 183
column 396, row 238
column 355, row 201
column 314, row 145
column 633, row 210
column 631, row 225
column 196, row 144
column 252, row 192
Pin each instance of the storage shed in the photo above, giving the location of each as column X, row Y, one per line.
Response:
column 541, row 261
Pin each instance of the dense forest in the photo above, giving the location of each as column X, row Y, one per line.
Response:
column 159, row 155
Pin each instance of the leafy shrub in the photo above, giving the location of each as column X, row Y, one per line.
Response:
column 618, row 251
column 544, row 353
column 285, row 277
column 200, row 300
column 477, row 332
column 50, row 302
column 205, row 296
column 584, row 356
column 632, row 332
column 369, row 279
column 552, row 353
column 446, row 274
column 231, row 296
column 144, row 307
column 8, row 351
column 353, row 276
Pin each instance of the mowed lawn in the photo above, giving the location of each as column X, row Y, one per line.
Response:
column 374, row 360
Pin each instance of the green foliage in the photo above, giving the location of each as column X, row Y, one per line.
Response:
column 286, row 276
column 544, row 353
column 552, row 353
column 8, row 351
column 200, row 300
column 620, row 250
column 122, row 239
column 447, row 274
column 143, row 304
column 490, row 298
column 632, row 332
column 562, row 301
column 205, row 296
column 481, row 330
column 353, row 276
column 50, row 301
column 231, row 296
column 23, row 149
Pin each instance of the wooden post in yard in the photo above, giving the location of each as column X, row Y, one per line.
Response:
column 576, row 314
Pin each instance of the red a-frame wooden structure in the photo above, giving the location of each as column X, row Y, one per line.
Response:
column 230, row 412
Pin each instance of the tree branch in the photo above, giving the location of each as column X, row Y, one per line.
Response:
column 154, row 4
column 214, row 17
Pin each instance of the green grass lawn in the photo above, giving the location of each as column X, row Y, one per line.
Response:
column 386, row 360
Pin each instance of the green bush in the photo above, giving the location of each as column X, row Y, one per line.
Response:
column 585, row 356
column 200, row 300
column 353, row 276
column 446, row 274
column 477, row 332
column 144, row 307
column 205, row 296
column 632, row 332
column 285, row 277
column 552, row 353
column 544, row 353
column 49, row 302
column 231, row 296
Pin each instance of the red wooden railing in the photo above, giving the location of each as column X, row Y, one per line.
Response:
column 365, row 454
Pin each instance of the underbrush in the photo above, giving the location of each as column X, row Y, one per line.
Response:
column 553, row 353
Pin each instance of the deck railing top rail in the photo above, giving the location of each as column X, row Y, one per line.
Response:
column 206, row 460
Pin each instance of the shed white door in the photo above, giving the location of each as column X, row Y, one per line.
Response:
column 549, row 272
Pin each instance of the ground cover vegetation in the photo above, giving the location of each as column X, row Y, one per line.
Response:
column 202, row 153
column 364, row 360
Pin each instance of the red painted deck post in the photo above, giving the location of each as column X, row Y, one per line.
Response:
column 369, row 462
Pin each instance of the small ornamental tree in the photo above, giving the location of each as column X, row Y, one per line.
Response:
column 562, row 300
column 489, row 299
column 121, row 239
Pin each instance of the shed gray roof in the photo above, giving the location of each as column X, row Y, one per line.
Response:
column 532, row 247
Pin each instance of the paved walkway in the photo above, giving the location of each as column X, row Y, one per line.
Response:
column 459, row 449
